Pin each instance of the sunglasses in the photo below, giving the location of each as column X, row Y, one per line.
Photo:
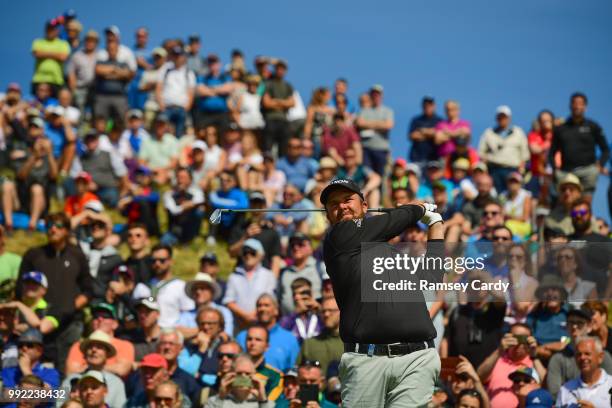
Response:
column 490, row 213
column 521, row 380
column 167, row 400
column 297, row 243
column 98, row 224
column 499, row 238
column 58, row 225
column 249, row 252
column 579, row 213
column 231, row 356
column 28, row 345
column 160, row 260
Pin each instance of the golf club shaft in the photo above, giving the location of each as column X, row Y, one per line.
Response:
column 241, row 210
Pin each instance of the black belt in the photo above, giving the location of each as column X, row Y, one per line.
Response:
column 390, row 350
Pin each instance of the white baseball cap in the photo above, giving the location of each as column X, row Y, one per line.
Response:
column 503, row 110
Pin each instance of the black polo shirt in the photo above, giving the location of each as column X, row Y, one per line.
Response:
column 577, row 143
column 384, row 321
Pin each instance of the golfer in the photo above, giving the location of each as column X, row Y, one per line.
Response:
column 389, row 357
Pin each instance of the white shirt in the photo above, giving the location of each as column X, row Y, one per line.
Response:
column 171, row 298
column 597, row 394
column 124, row 55
column 175, row 84
column 171, row 205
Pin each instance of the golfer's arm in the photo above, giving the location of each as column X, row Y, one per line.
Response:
column 389, row 225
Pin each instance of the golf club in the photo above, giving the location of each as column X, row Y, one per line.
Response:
column 215, row 217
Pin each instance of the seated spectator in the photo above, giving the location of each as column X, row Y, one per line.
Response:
column 139, row 204
column 227, row 353
column 75, row 204
column 107, row 171
column 517, row 205
column 570, row 266
column 97, row 349
column 209, row 264
column 599, row 322
column 289, row 223
column 304, row 322
column 159, row 153
column 31, row 346
column 241, row 387
column 256, row 226
column 302, row 264
column 168, row 394
column 257, row 342
column 592, row 387
column 145, row 335
column 309, row 373
column 228, row 196
column 451, row 129
column 104, row 319
column 470, row 398
column 169, row 347
column 560, row 218
column 290, row 386
column 297, row 168
column 466, row 378
column 93, row 390
column 110, row 84
column 63, row 136
column 327, row 347
column 274, row 180
column 64, row 99
column 204, row 291
column 9, row 335
column 32, row 306
column 526, row 381
column 283, row 347
column 247, row 283
column 515, row 350
column 368, row 180
column 139, row 259
column 562, row 366
column 520, row 274
column 168, row 290
column 119, row 294
column 184, row 206
column 133, row 136
column 474, row 210
column 503, row 148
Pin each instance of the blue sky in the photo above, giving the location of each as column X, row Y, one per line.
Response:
column 524, row 53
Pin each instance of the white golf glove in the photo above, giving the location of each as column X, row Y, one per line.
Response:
column 431, row 216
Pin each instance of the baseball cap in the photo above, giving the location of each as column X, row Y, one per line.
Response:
column 13, row 86
column 428, row 99
column 154, row 360
column 159, row 51
column 124, row 270
column 482, row 166
column 571, row 179
column 113, row 30
column 202, row 277
column 106, row 308
column 143, row 170
column 438, row 185
column 515, row 175
column 134, row 113
column 55, row 110
column 94, row 205
column 257, row 196
column 254, row 244
column 291, row 372
column 413, row 168
column 435, row 164
column 149, row 303
column 209, row 257
column 461, row 164
column 299, row 237
column 83, row 175
column 178, row 50
column 38, row 122
column 503, row 110
column 31, row 336
column 193, row 38
column 99, row 337
column 344, row 183
column 327, row 162
column 581, row 313
column 539, row 398
column 525, row 371
column 401, row 162
column 282, row 63
column 377, row 88
column 36, row 276
column 198, row 144
column 92, row 134
column 162, row 117
column 92, row 34
column 233, row 126
column 95, row 374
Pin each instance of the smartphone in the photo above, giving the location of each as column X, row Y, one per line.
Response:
column 308, row 392
column 448, row 368
column 522, row 339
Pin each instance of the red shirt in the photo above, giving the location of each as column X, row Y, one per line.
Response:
column 75, row 204
column 341, row 142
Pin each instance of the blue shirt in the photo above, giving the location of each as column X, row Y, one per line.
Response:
column 12, row 375
column 424, row 150
column 548, row 327
column 188, row 318
column 234, row 198
column 283, row 350
column 213, row 103
column 57, row 136
column 299, row 171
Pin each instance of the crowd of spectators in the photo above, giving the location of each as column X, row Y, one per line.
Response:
column 137, row 145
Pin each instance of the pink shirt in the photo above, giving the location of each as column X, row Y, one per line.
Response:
column 448, row 147
column 499, row 387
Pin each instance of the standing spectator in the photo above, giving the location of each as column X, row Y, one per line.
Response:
column 184, row 206
column 451, row 129
column 338, row 138
column 212, row 90
column 73, row 31
column 124, row 55
column 297, row 168
column 592, row 387
column 248, row 282
column 136, row 97
column 318, row 116
column 246, row 109
column 257, row 342
column 50, row 54
column 9, row 262
column 503, row 148
column 540, row 142
column 159, row 153
column 175, row 90
column 341, row 95
column 577, row 140
column 112, row 77
column 374, row 124
column 422, row 132
column 276, row 102
column 283, row 347
column 81, row 72
column 148, row 84
column 70, row 284
column 167, row 289
column 195, row 62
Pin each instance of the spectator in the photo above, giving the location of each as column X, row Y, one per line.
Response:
column 540, row 142
column 93, row 390
column 517, row 349
column 139, row 259
column 570, row 190
column 570, row 267
column 168, row 290
column 209, row 264
column 283, row 347
column 80, row 71
column 319, row 115
column 562, row 366
column 470, row 398
column 9, row 262
column 137, row 98
column 145, row 335
column 75, row 204
column 112, row 77
column 204, row 291
column 257, row 342
column 139, row 204
column 212, row 90
column 304, row 321
column 97, row 349
column 591, row 388
column 228, row 196
column 276, row 101
column 302, row 264
column 153, row 372
column 31, row 346
column 62, row 135
column 466, row 378
column 160, row 152
column 104, row 319
column 367, row 179
column 338, row 138
column 168, row 395
column 72, row 32
column 297, row 168
column 241, row 387
column 517, row 204
column 148, row 84
column 290, row 223
column 451, row 129
column 599, row 322
column 246, row 106
column 64, row 98
column 70, row 284
column 309, row 373
column 577, row 140
column 50, row 54
column 184, row 206
column 327, row 347
column 124, row 55
column 526, row 380
column 521, row 275
column 195, row 62
column 175, row 90
column 33, row 308
column 504, row 148
column 374, row 124
column 274, row 180
column 119, row 294
column 422, row 132
column 9, row 335
column 133, row 136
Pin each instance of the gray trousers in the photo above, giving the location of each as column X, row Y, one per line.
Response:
column 391, row 382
